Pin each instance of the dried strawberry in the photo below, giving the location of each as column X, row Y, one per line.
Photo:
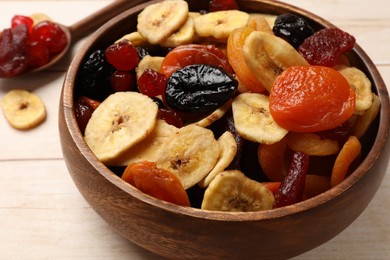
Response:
column 12, row 47
column 326, row 46
column 292, row 186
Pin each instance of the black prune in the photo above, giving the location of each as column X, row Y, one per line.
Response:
column 199, row 88
column 292, row 28
column 95, row 76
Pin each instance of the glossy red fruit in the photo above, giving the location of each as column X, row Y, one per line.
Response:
column 12, row 47
column 152, row 83
column 220, row 5
column 21, row 19
column 170, row 116
column 293, row 185
column 37, row 54
column 83, row 109
column 51, row 35
column 123, row 81
column 122, row 55
column 326, row 46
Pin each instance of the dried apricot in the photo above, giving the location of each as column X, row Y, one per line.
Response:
column 156, row 182
column 311, row 99
column 237, row 60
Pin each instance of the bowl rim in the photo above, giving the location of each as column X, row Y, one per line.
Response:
column 311, row 203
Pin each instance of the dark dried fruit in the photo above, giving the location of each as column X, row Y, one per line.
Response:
column 326, row 46
column 83, row 109
column 220, row 5
column 123, row 81
column 293, row 185
column 12, row 47
column 21, row 19
column 170, row 116
column 292, row 28
column 95, row 76
column 199, row 88
column 152, row 83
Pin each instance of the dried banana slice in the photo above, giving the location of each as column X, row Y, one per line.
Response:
column 253, row 120
column 39, row 17
column 362, row 86
column 122, row 120
column 147, row 149
column 135, row 38
column 190, row 154
column 312, row 144
column 268, row 55
column 215, row 115
column 23, row 109
column 364, row 121
column 149, row 62
column 228, row 147
column 158, row 21
column 220, row 24
column 233, row 191
column 184, row 35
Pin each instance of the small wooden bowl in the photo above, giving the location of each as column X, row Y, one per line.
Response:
column 180, row 232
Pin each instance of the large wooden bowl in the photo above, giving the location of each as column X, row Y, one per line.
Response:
column 179, row 232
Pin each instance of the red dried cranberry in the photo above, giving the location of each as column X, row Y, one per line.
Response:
column 83, row 109
column 21, row 19
column 220, row 5
column 122, row 55
column 12, row 46
column 170, row 116
column 51, row 35
column 292, row 186
column 325, row 47
column 37, row 54
column 123, row 81
column 152, row 83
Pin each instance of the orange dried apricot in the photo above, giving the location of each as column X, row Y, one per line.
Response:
column 156, row 182
column 311, row 99
column 236, row 59
column 272, row 160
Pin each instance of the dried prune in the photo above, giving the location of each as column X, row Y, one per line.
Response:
column 199, row 88
column 325, row 47
column 293, row 185
column 95, row 76
column 292, row 28
column 13, row 60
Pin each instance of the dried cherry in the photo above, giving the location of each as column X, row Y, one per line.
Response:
column 326, row 46
column 152, row 83
column 83, row 109
column 123, row 80
column 122, row 55
column 292, row 28
column 199, row 88
column 37, row 54
column 51, row 35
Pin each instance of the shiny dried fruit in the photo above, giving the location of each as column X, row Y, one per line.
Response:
column 156, row 182
column 220, row 5
column 83, row 109
column 311, row 99
column 122, row 55
column 199, row 88
column 292, row 28
column 51, row 35
column 326, row 46
column 293, row 185
column 152, row 83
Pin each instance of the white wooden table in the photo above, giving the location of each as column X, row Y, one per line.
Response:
column 42, row 214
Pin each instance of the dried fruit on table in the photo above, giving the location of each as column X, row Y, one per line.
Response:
column 122, row 55
column 22, row 19
column 152, row 83
column 233, row 191
column 293, row 185
column 191, row 54
column 326, row 46
column 292, row 28
column 51, row 34
column 348, row 153
column 236, row 58
column 311, row 99
column 22, row 109
column 156, row 182
column 199, row 88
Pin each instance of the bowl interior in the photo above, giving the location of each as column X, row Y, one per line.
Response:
column 373, row 142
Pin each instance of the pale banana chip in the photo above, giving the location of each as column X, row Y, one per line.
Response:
column 160, row 20
column 312, row 144
column 228, row 147
column 147, row 149
column 22, row 109
column 184, row 35
column 122, row 120
column 253, row 120
column 149, row 62
column 190, row 154
column 364, row 121
column 220, row 24
column 362, row 86
column 40, row 17
column 268, row 55
column 215, row 115
column 135, row 38
column 233, row 191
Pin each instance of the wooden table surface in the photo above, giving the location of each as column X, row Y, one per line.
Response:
column 42, row 214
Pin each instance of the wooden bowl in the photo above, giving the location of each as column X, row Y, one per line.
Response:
column 180, row 232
